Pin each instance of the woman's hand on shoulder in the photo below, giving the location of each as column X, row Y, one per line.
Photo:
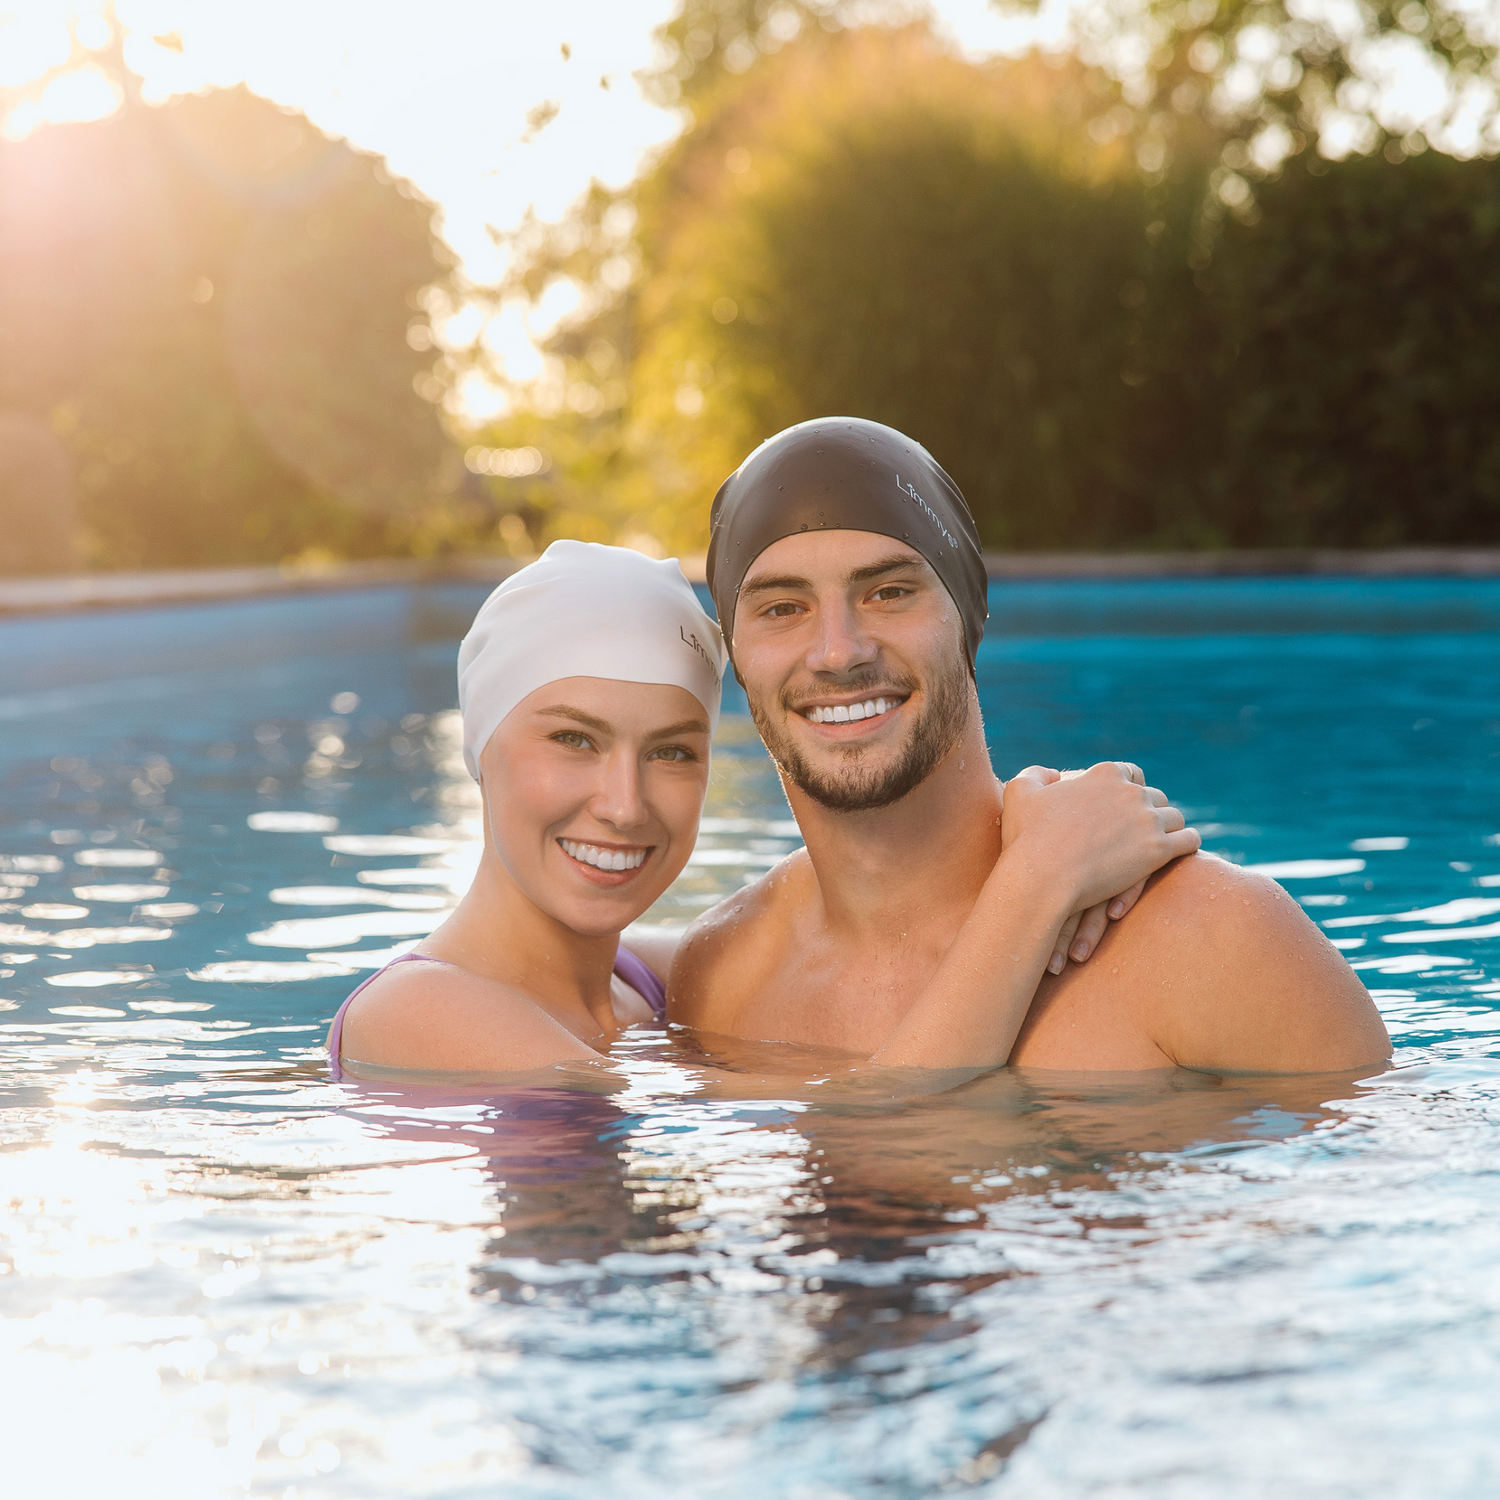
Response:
column 440, row 1018
column 1101, row 832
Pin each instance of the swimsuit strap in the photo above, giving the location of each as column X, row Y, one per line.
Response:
column 336, row 1031
column 642, row 979
column 637, row 974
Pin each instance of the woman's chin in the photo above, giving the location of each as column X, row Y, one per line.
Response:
column 604, row 913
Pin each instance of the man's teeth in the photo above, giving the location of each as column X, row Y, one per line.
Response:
column 604, row 859
column 851, row 713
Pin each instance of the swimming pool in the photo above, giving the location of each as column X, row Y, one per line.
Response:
column 224, row 1276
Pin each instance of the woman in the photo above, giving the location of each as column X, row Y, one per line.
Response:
column 589, row 690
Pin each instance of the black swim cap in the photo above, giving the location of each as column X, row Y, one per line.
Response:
column 846, row 474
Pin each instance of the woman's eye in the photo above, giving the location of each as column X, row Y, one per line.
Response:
column 672, row 753
column 573, row 740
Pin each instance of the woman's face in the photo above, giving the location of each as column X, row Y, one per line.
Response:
column 593, row 790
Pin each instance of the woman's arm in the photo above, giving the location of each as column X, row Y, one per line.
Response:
column 1068, row 844
column 1080, row 934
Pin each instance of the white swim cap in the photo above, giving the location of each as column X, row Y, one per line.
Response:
column 584, row 610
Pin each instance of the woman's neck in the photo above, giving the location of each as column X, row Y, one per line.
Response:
column 498, row 932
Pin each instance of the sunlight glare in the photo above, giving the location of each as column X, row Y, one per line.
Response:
column 33, row 39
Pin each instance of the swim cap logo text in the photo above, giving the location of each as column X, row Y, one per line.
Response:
column 931, row 514
column 690, row 638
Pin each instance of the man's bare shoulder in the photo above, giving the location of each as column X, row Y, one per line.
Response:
column 1217, row 968
column 1237, row 976
column 728, row 953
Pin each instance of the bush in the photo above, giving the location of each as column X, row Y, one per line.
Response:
column 206, row 305
column 867, row 225
column 1359, row 329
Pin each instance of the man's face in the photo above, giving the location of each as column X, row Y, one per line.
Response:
column 851, row 652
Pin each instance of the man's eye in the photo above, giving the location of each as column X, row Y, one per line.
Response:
column 890, row 591
column 679, row 753
column 783, row 609
column 573, row 739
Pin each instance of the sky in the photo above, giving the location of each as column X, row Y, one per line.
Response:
column 440, row 88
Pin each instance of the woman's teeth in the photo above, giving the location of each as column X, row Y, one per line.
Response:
column 850, row 713
column 604, row 859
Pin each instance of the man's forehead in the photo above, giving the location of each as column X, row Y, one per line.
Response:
column 829, row 556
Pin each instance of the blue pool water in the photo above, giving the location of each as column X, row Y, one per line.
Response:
column 223, row 1275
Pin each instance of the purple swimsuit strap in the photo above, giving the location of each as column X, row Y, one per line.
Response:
column 642, row 979
column 637, row 974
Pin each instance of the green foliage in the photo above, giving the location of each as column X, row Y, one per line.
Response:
column 1101, row 356
column 1359, row 327
column 207, row 306
column 1279, row 73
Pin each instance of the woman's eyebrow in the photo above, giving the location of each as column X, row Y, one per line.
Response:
column 603, row 726
column 686, row 726
column 577, row 715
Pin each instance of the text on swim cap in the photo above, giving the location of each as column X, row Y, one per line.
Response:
column 690, row 638
column 931, row 514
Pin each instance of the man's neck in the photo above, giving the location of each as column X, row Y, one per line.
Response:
column 923, row 857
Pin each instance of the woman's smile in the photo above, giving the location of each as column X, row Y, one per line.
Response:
column 605, row 864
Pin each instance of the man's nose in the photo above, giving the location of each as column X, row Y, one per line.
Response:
column 619, row 800
column 841, row 643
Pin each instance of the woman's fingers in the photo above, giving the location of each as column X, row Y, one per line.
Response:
column 1042, row 775
column 1064, row 941
column 1184, row 841
column 1090, row 930
column 1156, row 797
column 1171, row 819
column 1125, row 900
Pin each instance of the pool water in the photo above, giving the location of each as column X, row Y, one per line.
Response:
column 224, row 1275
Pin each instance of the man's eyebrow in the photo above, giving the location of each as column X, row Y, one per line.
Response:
column 880, row 569
column 767, row 584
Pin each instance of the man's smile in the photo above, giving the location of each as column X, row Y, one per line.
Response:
column 857, row 711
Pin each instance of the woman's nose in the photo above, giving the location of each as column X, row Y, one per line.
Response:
column 618, row 800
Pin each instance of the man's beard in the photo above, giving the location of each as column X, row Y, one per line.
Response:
column 861, row 789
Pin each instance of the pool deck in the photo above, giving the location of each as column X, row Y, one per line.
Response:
column 123, row 590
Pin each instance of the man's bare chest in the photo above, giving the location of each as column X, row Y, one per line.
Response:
column 816, row 991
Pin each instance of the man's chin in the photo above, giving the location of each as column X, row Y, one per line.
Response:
column 835, row 784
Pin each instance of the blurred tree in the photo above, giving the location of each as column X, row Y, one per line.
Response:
column 218, row 311
column 1358, row 324
column 1104, row 355
column 865, row 223
column 38, row 509
column 1277, row 75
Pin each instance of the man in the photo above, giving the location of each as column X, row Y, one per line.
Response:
column 848, row 578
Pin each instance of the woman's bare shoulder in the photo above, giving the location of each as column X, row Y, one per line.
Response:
column 443, row 1018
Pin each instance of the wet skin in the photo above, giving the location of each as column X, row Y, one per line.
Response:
column 1215, row 969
